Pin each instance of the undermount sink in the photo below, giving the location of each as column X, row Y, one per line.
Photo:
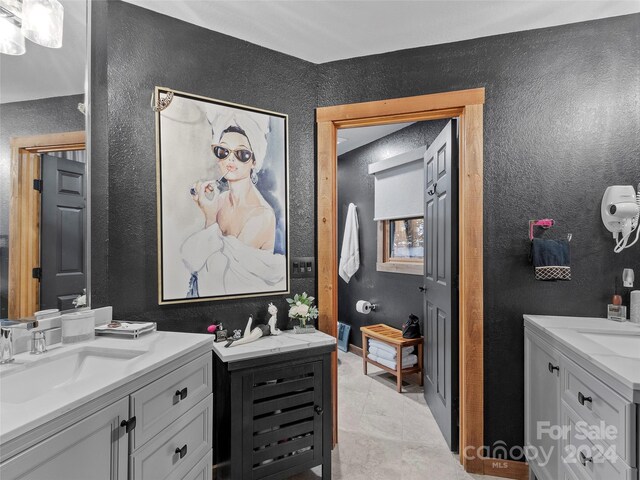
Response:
column 625, row 344
column 50, row 371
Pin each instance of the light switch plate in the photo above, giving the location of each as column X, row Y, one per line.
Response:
column 303, row 267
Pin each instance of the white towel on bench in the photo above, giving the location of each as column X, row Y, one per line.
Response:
column 407, row 362
column 388, row 355
column 389, row 348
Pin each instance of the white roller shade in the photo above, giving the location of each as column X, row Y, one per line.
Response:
column 399, row 186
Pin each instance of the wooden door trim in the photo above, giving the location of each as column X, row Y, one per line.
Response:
column 24, row 215
column 468, row 106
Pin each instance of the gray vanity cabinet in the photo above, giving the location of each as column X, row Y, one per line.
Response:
column 580, row 417
column 157, row 427
column 273, row 415
column 542, row 394
column 96, row 447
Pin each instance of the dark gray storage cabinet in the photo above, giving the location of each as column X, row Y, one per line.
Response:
column 273, row 415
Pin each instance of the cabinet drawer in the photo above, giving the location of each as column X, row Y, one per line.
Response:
column 159, row 458
column 588, row 460
column 595, row 403
column 161, row 402
column 203, row 469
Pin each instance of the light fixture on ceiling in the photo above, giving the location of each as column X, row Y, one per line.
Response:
column 40, row 21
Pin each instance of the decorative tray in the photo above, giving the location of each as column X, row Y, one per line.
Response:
column 126, row 329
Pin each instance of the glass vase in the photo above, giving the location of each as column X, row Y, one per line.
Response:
column 303, row 327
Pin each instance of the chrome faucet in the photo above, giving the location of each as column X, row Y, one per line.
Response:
column 6, row 337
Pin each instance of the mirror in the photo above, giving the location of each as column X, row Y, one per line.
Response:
column 44, row 167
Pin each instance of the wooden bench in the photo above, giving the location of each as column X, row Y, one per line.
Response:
column 392, row 336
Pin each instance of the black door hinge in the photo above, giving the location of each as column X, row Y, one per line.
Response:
column 37, row 184
column 37, row 273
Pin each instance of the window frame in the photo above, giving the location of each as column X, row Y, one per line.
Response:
column 386, row 263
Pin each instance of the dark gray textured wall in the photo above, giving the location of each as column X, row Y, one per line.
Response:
column 561, row 123
column 396, row 294
column 35, row 117
column 145, row 49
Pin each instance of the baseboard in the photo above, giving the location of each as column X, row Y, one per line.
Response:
column 506, row 468
column 355, row 350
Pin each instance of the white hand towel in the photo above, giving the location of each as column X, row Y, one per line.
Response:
column 387, row 347
column 350, row 253
column 388, row 355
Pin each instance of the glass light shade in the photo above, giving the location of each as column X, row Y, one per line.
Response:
column 11, row 39
column 42, row 22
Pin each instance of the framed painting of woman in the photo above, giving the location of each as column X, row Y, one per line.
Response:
column 223, row 199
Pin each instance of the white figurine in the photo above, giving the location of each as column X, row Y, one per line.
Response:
column 273, row 311
column 250, row 335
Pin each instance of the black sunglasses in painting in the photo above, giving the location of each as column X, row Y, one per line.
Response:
column 242, row 154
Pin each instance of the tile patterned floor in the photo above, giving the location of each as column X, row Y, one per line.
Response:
column 384, row 435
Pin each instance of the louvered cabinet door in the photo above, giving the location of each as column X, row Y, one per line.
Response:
column 282, row 419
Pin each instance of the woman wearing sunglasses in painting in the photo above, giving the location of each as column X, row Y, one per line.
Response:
column 234, row 252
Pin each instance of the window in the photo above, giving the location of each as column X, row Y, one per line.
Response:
column 401, row 246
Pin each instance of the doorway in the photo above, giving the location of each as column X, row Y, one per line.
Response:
column 467, row 105
column 24, row 295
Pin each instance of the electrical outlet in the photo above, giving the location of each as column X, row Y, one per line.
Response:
column 303, row 267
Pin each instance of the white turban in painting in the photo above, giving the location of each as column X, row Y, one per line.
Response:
column 255, row 126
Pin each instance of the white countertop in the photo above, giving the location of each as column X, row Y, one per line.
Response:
column 272, row 344
column 574, row 334
column 42, row 404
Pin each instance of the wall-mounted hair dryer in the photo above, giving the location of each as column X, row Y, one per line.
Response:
column 620, row 211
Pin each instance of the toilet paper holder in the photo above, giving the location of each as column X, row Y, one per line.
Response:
column 365, row 307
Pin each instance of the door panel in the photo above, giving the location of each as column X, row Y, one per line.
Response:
column 441, row 270
column 63, row 231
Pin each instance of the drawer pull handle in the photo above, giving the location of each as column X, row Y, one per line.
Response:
column 584, row 459
column 582, row 398
column 318, row 409
column 181, row 451
column 553, row 367
column 129, row 424
column 182, row 394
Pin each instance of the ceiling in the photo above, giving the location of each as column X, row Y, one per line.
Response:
column 315, row 30
column 352, row 138
column 49, row 72
column 325, row 30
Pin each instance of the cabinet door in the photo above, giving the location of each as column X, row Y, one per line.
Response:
column 282, row 420
column 94, row 448
column 542, row 397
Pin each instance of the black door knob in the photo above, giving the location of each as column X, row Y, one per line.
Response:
column 181, row 451
column 584, row 459
column 318, row 409
column 553, row 367
column 582, row 398
column 422, row 289
column 181, row 394
column 129, row 424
